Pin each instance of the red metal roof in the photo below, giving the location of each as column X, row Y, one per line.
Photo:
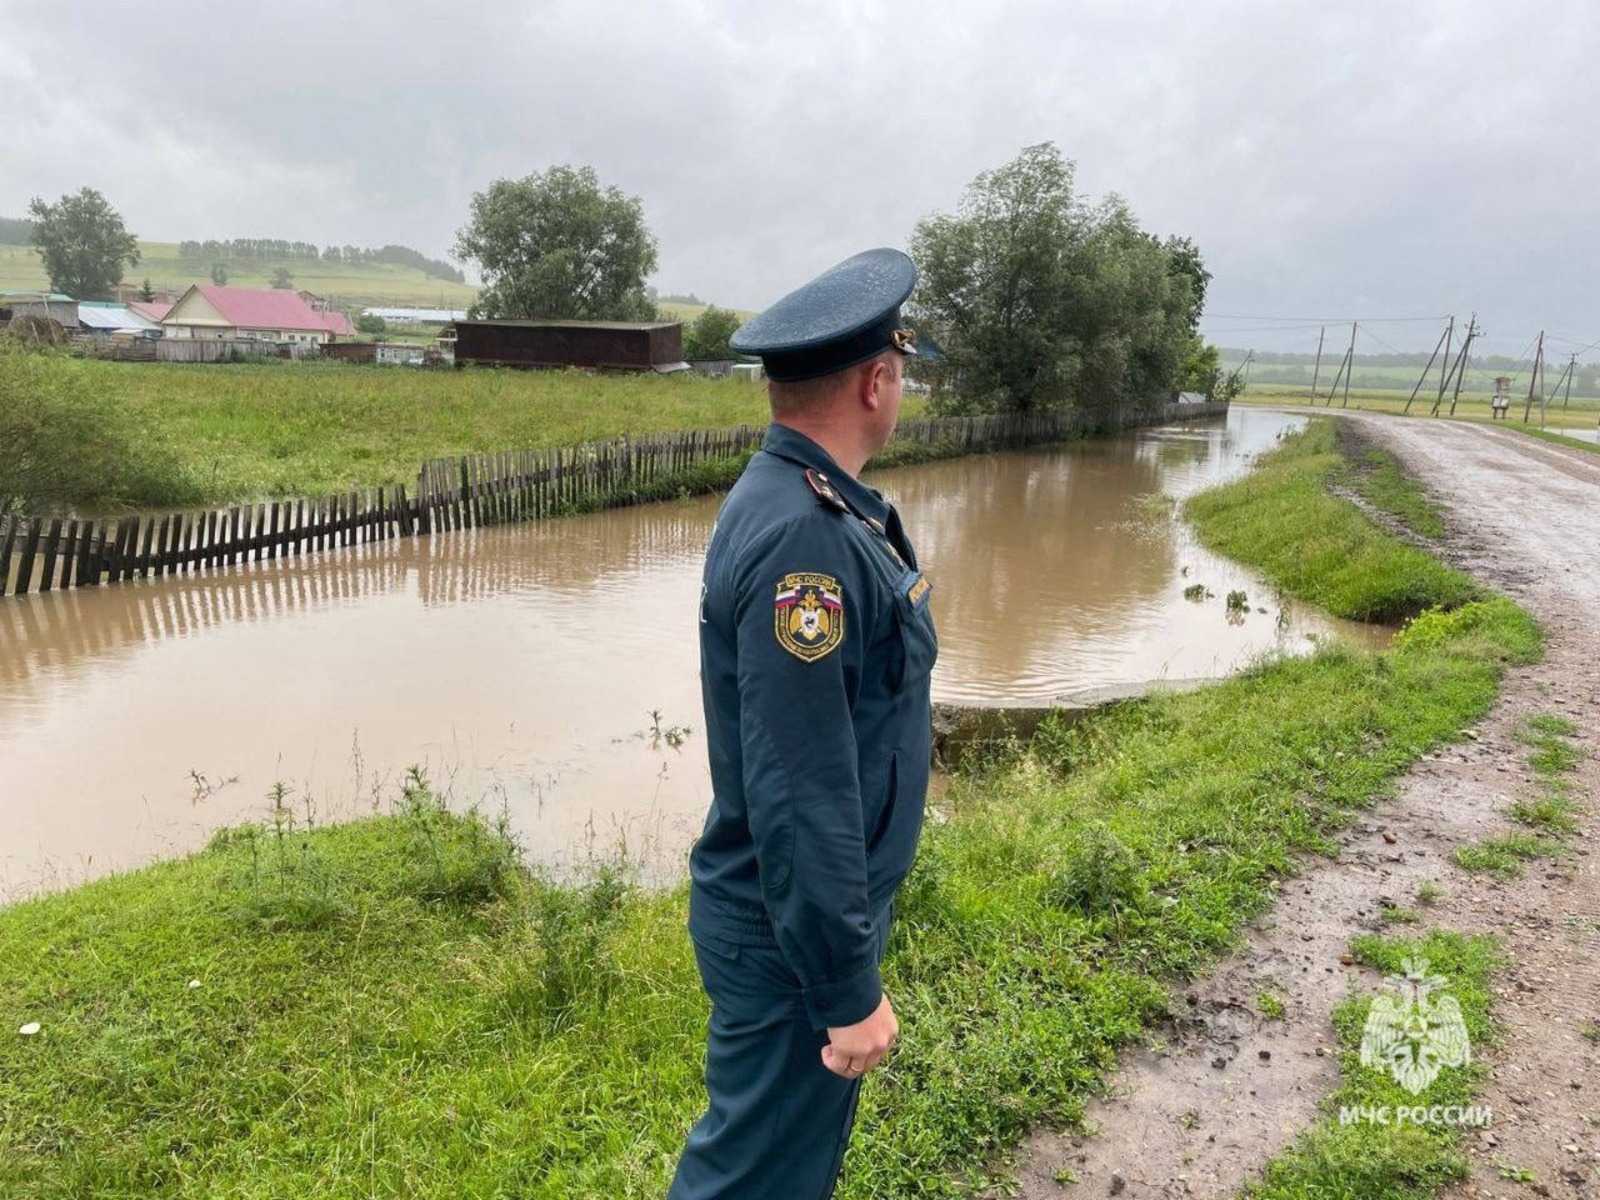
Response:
column 270, row 308
column 154, row 309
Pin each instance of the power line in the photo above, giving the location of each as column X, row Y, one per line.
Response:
column 1229, row 332
column 1320, row 320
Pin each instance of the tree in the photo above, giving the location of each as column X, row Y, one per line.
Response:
column 219, row 274
column 146, row 292
column 1040, row 300
column 556, row 244
column 373, row 324
column 281, row 278
column 83, row 243
column 706, row 339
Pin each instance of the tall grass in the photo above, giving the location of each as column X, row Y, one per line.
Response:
column 64, row 441
column 215, row 434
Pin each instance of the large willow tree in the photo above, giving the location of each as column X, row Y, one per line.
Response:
column 1040, row 300
column 557, row 244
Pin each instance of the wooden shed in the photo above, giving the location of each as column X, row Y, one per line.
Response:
column 612, row 345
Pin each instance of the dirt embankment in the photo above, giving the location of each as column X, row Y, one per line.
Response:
column 1200, row 1112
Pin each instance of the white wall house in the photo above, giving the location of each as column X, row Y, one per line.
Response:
column 273, row 315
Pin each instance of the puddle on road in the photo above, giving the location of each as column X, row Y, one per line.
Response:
column 521, row 665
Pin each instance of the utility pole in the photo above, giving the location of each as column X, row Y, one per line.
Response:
column 1423, row 378
column 1337, row 376
column 1564, row 378
column 1533, row 379
column 1350, row 355
column 1317, row 370
column 1444, row 364
column 1242, row 367
column 1461, row 370
column 1572, row 369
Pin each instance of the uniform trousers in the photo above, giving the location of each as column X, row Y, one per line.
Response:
column 778, row 1120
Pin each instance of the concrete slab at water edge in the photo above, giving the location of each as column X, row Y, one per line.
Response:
column 960, row 730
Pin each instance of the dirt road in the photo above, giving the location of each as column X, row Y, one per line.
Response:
column 1199, row 1112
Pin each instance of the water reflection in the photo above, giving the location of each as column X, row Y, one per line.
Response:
column 520, row 665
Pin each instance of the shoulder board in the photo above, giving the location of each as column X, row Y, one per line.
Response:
column 824, row 490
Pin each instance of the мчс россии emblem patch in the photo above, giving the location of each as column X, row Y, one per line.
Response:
column 809, row 614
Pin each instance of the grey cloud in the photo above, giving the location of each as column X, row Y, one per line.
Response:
column 1363, row 159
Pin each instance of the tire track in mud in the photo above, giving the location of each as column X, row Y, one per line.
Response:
column 1199, row 1113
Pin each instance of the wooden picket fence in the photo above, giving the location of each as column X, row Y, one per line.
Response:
column 45, row 553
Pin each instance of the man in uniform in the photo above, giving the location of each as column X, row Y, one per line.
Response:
column 816, row 644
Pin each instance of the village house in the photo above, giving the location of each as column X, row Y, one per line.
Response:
column 55, row 306
column 270, row 314
column 106, row 318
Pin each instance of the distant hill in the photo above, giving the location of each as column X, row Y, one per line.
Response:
column 349, row 284
column 408, row 279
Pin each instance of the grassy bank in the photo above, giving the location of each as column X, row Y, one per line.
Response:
column 1560, row 439
column 1283, row 520
column 391, row 1007
column 225, row 433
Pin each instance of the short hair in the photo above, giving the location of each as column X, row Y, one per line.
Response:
column 798, row 395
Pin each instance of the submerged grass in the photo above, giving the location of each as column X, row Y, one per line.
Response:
column 534, row 1040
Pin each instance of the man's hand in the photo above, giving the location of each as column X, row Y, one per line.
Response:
column 853, row 1050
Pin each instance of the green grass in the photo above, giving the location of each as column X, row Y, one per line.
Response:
column 385, row 1009
column 1505, row 855
column 1365, row 1160
column 1572, row 443
column 346, row 284
column 235, row 432
column 1282, row 520
column 1552, row 756
column 1376, row 476
column 1584, row 412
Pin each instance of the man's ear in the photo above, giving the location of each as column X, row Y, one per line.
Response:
column 874, row 380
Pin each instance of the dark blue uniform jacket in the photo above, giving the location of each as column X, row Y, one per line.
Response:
column 816, row 646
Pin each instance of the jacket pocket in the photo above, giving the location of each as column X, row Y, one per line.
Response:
column 919, row 644
column 886, row 813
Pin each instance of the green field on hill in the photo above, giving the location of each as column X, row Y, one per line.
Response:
column 1582, row 414
column 1367, row 376
column 348, row 285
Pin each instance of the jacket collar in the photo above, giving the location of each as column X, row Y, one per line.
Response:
column 798, row 448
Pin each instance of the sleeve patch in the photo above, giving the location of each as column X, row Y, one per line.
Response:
column 808, row 615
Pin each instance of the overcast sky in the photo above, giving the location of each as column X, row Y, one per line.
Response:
column 1347, row 160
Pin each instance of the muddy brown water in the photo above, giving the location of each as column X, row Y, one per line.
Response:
column 520, row 666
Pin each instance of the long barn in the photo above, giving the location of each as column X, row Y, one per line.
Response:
column 611, row 345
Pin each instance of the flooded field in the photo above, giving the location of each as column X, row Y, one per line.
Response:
column 541, row 667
